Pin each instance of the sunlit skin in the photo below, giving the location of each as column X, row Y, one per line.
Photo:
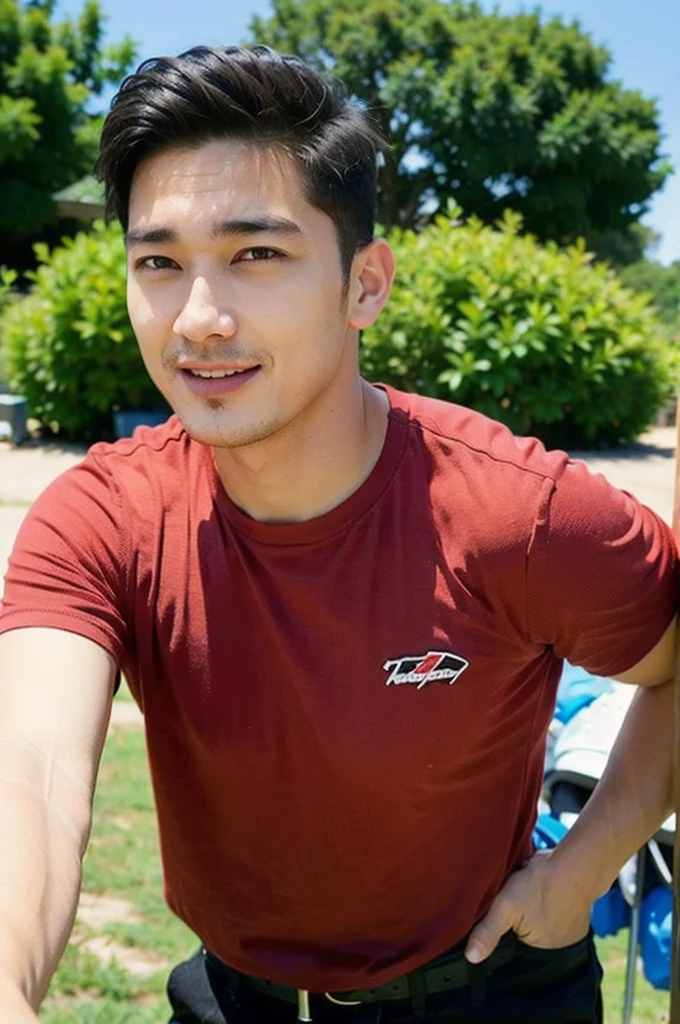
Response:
column 231, row 269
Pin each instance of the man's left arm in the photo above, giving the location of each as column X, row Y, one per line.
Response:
column 547, row 903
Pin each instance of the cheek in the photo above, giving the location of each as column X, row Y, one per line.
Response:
column 137, row 306
column 311, row 316
column 147, row 316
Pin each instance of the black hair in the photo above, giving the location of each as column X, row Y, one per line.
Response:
column 260, row 97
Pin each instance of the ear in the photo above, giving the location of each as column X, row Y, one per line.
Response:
column 370, row 283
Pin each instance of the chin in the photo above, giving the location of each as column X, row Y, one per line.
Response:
column 207, row 430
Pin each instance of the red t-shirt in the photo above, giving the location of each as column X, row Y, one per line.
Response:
column 346, row 717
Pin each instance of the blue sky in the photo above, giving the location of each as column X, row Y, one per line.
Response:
column 644, row 39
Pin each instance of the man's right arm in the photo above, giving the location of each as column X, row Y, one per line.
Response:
column 55, row 701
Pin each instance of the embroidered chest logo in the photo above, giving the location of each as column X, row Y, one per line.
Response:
column 433, row 667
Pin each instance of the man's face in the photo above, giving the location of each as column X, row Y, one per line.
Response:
column 235, row 292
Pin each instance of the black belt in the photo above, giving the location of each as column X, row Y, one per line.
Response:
column 449, row 971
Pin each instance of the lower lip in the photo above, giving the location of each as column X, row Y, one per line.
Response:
column 212, row 387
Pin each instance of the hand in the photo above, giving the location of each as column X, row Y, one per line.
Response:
column 540, row 903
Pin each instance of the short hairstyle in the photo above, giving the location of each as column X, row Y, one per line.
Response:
column 260, row 97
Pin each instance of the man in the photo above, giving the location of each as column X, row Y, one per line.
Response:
column 341, row 608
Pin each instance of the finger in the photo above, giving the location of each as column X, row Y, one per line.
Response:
column 486, row 935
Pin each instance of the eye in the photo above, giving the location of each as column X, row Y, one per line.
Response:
column 259, row 254
column 155, row 263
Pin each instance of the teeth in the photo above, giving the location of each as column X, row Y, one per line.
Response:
column 215, row 373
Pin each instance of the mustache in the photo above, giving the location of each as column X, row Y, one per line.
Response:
column 213, row 353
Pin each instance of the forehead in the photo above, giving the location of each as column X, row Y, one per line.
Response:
column 216, row 179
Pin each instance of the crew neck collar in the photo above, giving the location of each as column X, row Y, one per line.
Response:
column 335, row 520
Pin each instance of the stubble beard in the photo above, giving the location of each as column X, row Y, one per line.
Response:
column 225, row 435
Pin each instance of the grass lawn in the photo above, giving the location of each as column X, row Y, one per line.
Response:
column 125, row 939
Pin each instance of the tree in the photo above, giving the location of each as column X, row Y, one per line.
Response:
column 48, row 133
column 495, row 112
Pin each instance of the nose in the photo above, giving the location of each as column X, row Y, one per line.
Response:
column 203, row 314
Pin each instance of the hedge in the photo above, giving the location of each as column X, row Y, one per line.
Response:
column 68, row 344
column 533, row 335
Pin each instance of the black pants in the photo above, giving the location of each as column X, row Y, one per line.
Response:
column 535, row 987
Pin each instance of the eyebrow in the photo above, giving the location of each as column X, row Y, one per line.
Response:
column 222, row 229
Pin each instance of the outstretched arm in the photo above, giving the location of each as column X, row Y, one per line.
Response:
column 55, row 701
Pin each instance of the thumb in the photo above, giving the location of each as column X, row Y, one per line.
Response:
column 486, row 935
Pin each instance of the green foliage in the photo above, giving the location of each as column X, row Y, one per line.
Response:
column 662, row 284
column 8, row 279
column 531, row 335
column 69, row 345
column 48, row 135
column 497, row 111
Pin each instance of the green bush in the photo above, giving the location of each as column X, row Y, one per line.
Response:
column 532, row 335
column 68, row 344
column 662, row 284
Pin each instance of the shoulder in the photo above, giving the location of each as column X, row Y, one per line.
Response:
column 154, row 466
column 506, row 487
column 125, row 483
column 474, row 442
column 164, row 445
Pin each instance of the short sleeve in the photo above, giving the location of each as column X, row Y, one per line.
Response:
column 67, row 567
column 602, row 573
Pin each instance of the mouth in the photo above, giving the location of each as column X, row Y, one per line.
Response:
column 209, row 383
column 217, row 374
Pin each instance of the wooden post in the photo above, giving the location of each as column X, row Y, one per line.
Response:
column 675, row 959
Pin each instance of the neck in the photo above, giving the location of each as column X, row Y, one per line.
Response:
column 299, row 474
